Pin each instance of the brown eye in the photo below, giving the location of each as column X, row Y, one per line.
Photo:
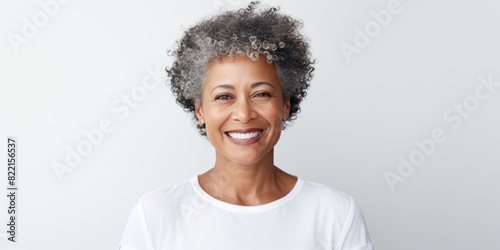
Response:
column 223, row 97
column 262, row 94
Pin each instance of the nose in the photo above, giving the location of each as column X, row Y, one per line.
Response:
column 243, row 111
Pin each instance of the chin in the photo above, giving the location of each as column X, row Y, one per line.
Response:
column 246, row 159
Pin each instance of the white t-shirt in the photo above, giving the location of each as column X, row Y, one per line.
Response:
column 184, row 216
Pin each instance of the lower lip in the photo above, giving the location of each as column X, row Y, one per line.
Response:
column 244, row 141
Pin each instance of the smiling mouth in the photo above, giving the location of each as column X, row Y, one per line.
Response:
column 244, row 135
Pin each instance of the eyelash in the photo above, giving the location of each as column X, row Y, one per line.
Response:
column 227, row 97
column 263, row 93
column 220, row 97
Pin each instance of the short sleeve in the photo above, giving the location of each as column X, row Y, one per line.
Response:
column 355, row 234
column 136, row 235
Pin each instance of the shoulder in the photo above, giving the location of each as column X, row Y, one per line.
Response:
column 326, row 194
column 339, row 212
column 167, row 197
column 328, row 202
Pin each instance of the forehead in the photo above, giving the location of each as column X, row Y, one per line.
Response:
column 240, row 70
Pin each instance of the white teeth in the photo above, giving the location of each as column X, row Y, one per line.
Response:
column 244, row 136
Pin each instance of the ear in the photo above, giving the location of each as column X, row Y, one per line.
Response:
column 198, row 110
column 286, row 109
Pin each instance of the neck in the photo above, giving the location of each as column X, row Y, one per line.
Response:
column 252, row 184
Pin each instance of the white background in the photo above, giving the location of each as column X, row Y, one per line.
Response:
column 357, row 119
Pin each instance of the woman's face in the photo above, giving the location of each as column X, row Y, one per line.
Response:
column 242, row 108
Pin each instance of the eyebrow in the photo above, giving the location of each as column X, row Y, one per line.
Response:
column 253, row 85
column 224, row 86
column 256, row 84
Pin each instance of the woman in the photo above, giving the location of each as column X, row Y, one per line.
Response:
column 243, row 75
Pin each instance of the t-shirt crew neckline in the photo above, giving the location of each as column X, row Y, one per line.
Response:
column 247, row 209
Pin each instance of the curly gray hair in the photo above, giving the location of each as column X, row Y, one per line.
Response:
column 249, row 32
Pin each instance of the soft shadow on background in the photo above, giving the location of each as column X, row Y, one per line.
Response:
column 403, row 114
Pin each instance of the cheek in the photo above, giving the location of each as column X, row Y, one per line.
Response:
column 214, row 118
column 274, row 115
